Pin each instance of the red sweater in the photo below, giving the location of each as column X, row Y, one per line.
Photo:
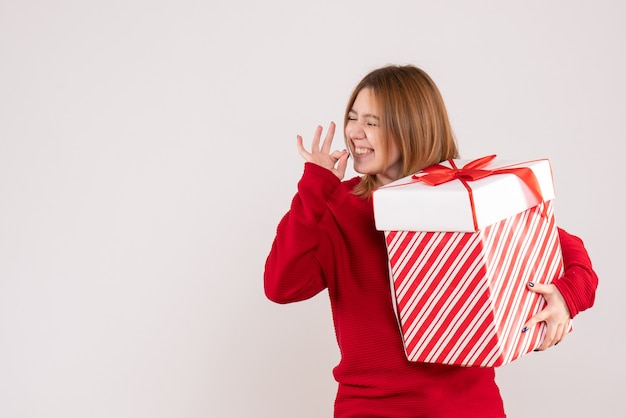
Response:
column 328, row 240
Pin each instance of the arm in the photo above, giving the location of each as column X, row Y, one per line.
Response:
column 579, row 282
column 568, row 295
column 292, row 270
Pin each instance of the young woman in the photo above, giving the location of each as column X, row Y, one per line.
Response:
column 395, row 125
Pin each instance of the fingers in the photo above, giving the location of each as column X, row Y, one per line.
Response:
column 321, row 154
column 328, row 140
column 542, row 289
column 537, row 318
column 555, row 315
column 317, row 135
column 315, row 144
column 336, row 155
column 555, row 330
column 303, row 152
column 342, row 163
column 542, row 315
column 554, row 335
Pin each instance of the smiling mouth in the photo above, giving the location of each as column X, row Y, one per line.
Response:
column 362, row 151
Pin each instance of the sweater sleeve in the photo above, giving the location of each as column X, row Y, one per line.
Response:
column 292, row 270
column 579, row 281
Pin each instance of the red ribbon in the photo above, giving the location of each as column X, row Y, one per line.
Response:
column 438, row 174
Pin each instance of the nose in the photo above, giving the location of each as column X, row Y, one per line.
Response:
column 356, row 131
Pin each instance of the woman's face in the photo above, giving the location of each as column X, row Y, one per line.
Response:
column 365, row 139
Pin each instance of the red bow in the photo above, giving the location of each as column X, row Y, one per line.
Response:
column 438, row 174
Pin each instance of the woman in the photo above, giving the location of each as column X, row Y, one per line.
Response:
column 395, row 125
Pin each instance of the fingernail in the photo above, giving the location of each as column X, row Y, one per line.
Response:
column 524, row 329
column 531, row 284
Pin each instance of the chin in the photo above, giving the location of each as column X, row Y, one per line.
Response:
column 359, row 169
column 363, row 169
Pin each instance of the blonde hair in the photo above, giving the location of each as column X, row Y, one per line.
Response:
column 412, row 114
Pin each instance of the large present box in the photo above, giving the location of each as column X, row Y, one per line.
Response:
column 464, row 238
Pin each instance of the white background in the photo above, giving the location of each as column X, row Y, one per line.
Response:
column 147, row 153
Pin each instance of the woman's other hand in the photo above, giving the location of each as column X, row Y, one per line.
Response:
column 556, row 315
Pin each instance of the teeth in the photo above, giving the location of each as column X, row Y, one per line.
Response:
column 361, row 151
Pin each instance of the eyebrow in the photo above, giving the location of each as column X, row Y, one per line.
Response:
column 367, row 115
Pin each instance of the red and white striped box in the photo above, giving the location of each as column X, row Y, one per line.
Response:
column 461, row 252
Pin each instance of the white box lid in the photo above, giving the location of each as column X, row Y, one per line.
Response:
column 408, row 204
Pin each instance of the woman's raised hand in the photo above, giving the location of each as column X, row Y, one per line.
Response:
column 335, row 161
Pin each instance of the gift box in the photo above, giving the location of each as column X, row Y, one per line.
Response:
column 464, row 238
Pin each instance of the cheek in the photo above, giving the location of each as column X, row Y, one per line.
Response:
column 375, row 140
